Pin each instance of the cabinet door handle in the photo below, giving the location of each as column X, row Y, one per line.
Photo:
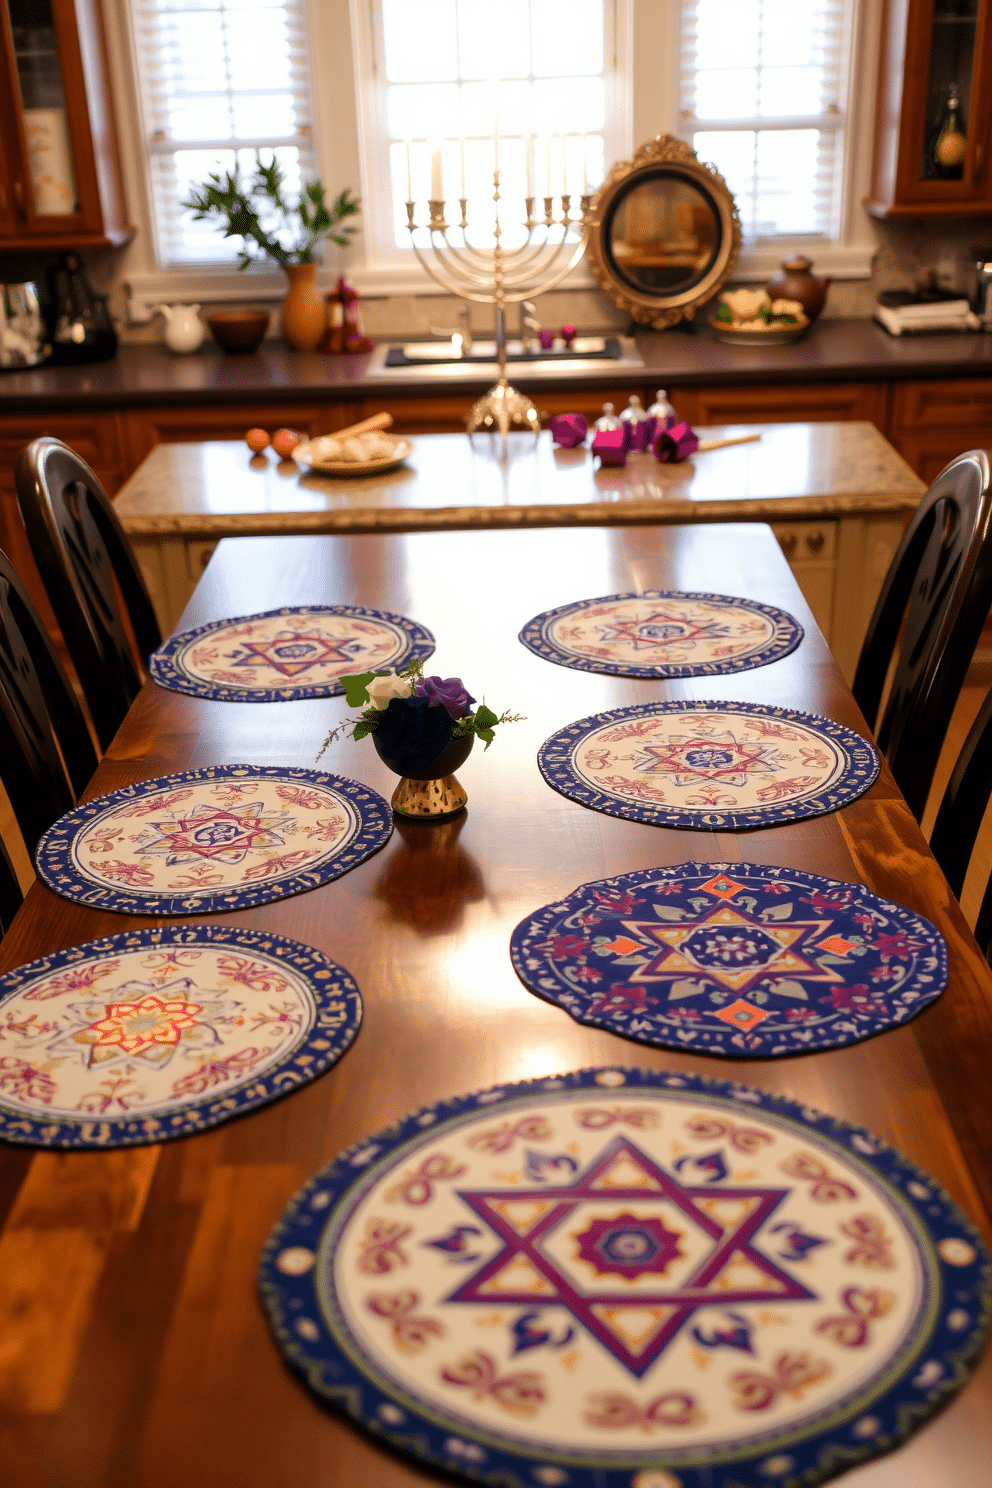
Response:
column 19, row 198
column 815, row 541
column 787, row 542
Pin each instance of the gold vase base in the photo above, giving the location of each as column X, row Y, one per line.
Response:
column 501, row 407
column 428, row 798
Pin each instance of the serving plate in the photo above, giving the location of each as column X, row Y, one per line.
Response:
column 402, row 449
column 779, row 336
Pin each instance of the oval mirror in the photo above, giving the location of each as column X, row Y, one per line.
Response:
column 663, row 233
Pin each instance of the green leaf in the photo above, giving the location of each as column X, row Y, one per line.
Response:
column 361, row 729
column 356, row 689
column 486, row 734
column 486, row 717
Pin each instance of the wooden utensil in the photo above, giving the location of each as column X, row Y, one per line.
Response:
column 712, row 444
column 367, row 426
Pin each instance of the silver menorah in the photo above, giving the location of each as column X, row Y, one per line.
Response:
column 499, row 277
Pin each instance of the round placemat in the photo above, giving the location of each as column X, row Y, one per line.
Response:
column 300, row 651
column 622, row 1278
column 663, row 633
column 732, row 958
column 709, row 765
column 226, row 837
column 160, row 1033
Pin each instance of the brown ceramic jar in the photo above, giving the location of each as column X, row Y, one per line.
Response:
column 795, row 282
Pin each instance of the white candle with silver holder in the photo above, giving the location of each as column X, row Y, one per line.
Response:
column 499, row 277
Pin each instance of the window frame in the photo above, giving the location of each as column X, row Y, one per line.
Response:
column 646, row 93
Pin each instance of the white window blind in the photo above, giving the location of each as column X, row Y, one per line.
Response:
column 763, row 88
column 451, row 74
column 219, row 81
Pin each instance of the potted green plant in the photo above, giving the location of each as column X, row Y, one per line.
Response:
column 257, row 212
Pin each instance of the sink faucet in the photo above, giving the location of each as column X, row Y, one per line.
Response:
column 529, row 324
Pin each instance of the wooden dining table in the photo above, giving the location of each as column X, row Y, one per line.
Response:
column 133, row 1350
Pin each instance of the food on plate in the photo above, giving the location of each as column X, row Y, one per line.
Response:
column 359, row 449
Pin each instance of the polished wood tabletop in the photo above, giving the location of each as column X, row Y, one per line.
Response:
column 133, row 1350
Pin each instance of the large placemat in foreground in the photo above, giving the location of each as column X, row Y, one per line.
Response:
column 621, row 1278
column 709, row 765
column 663, row 633
column 732, row 958
column 226, row 837
column 160, row 1033
column 300, row 651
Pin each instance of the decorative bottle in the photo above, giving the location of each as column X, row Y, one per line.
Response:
column 636, row 424
column 661, row 414
column 607, row 419
column 952, row 144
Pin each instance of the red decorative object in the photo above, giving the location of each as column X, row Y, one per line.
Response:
column 568, row 334
column 345, row 334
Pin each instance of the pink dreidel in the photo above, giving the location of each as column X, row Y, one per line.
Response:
column 569, row 429
column 611, row 446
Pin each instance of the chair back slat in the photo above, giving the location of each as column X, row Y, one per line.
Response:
column 11, row 897
column 80, row 549
column 938, row 592
column 46, row 755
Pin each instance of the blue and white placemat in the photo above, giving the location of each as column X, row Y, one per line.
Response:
column 222, row 838
column 300, row 651
column 710, row 765
column 732, row 958
column 663, row 633
column 622, row 1278
column 161, row 1033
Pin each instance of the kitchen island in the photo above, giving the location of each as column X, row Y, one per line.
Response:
column 837, row 496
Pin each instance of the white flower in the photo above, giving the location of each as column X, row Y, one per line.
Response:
column 381, row 689
column 788, row 307
column 744, row 304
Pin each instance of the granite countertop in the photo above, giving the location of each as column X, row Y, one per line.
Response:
column 834, row 351
column 216, row 488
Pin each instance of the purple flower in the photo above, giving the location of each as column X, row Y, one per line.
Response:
column 411, row 733
column 450, row 692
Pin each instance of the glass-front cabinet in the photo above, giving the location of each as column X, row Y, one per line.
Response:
column 934, row 117
column 59, row 172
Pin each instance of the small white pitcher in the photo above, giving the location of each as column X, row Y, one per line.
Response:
column 183, row 327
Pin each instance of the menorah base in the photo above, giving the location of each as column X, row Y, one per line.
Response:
column 502, row 407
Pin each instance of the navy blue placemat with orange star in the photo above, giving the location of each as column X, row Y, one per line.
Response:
column 300, row 651
column 161, row 1033
column 226, row 837
column 732, row 958
column 709, row 765
column 663, row 633
column 623, row 1278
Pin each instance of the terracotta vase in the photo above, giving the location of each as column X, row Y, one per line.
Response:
column 304, row 310
column 795, row 282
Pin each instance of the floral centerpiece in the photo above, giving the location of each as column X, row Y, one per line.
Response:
column 422, row 728
column 754, row 310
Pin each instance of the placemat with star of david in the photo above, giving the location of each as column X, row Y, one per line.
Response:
column 732, row 958
column 663, row 633
column 226, row 837
column 709, row 765
column 300, row 651
column 623, row 1278
column 159, row 1033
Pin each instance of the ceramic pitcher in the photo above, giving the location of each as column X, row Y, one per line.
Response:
column 183, row 327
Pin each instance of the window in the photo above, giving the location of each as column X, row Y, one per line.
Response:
column 219, row 79
column 763, row 95
column 447, row 76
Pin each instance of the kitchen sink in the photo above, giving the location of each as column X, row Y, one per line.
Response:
column 439, row 359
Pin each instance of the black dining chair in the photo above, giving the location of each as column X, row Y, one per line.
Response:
column 11, row 897
column 937, row 592
column 959, row 816
column 46, row 754
column 81, row 549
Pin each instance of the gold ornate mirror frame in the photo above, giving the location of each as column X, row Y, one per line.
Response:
column 663, row 159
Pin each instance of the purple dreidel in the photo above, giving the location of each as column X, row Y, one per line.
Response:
column 569, row 429
column 611, row 446
column 675, row 444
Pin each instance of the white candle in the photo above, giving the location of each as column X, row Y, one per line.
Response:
column 585, row 167
column 529, row 162
column 409, row 176
column 437, row 185
column 495, row 126
column 547, row 168
column 462, row 144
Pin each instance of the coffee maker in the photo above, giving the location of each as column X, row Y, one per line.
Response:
column 23, row 338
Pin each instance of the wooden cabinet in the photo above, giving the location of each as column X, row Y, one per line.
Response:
column 144, row 428
column 933, row 422
column 60, row 180
column 801, row 402
column 933, row 127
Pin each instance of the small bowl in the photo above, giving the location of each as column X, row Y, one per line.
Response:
column 238, row 330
